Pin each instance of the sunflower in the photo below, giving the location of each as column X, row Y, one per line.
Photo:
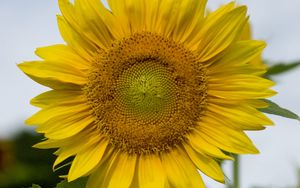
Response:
column 146, row 93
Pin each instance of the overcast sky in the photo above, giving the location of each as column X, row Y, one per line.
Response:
column 25, row 25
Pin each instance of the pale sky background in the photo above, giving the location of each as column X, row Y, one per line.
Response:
column 27, row 24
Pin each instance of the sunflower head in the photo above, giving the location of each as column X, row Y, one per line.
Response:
column 144, row 89
column 144, row 93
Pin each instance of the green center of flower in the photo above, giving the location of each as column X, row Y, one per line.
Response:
column 146, row 92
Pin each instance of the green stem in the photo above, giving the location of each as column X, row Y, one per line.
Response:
column 236, row 173
column 298, row 186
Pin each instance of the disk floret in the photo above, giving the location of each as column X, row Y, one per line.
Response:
column 146, row 92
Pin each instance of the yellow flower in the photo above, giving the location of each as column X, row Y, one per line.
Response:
column 147, row 92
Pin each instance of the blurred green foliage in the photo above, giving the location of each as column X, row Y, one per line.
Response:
column 79, row 183
column 21, row 164
column 275, row 109
column 281, row 68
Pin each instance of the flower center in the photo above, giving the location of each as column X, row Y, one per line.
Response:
column 146, row 92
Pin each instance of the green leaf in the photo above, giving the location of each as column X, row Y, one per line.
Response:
column 35, row 186
column 79, row 183
column 275, row 109
column 281, row 68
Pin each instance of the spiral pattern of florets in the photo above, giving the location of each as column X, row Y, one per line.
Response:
column 147, row 92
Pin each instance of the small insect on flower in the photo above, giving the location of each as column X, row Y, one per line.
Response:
column 147, row 92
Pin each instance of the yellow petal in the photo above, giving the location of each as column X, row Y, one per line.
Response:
column 151, row 173
column 79, row 44
column 191, row 14
column 239, row 87
column 242, row 124
column 123, row 171
column 99, row 177
column 63, row 127
column 52, row 111
column 107, row 17
column 119, row 9
column 54, row 71
column 209, row 21
column 221, row 35
column 206, row 164
column 213, row 17
column 226, row 138
column 77, row 25
column 242, row 94
column 63, row 54
column 181, row 172
column 71, row 146
column 246, row 35
column 239, row 114
column 245, row 69
column 167, row 16
column 55, row 97
column 96, row 28
column 240, row 53
column 201, row 145
column 136, row 13
column 49, row 143
column 151, row 14
column 258, row 103
column 86, row 160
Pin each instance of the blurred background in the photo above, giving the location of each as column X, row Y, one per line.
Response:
column 26, row 25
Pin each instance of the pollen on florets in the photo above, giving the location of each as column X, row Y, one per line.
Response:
column 146, row 92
